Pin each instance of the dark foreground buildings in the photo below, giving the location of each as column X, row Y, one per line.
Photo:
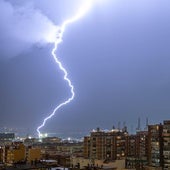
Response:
column 112, row 149
column 149, row 149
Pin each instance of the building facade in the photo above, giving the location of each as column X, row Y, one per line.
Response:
column 166, row 145
column 155, row 145
column 6, row 138
column 105, row 145
column 136, row 150
column 14, row 153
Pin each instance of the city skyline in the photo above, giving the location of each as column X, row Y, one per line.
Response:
column 78, row 135
column 117, row 57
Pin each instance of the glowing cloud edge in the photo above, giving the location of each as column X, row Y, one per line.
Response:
column 81, row 12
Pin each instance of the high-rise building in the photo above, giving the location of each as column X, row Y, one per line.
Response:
column 136, row 150
column 155, row 145
column 142, row 144
column 166, row 145
column 141, row 149
column 131, row 145
column 105, row 145
column 86, row 147
column 130, row 151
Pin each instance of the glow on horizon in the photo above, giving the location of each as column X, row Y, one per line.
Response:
column 80, row 13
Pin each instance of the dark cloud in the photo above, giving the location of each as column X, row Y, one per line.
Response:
column 23, row 26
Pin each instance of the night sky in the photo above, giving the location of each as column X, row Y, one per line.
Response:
column 117, row 56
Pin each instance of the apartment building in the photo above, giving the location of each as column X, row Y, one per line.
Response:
column 155, row 145
column 136, row 150
column 166, row 145
column 105, row 145
column 14, row 153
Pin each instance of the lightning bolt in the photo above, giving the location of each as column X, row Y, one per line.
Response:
column 80, row 13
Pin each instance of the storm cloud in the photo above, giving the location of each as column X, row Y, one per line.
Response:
column 21, row 26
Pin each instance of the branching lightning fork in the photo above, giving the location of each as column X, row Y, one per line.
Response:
column 81, row 12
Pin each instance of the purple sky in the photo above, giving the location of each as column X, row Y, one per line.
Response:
column 117, row 57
